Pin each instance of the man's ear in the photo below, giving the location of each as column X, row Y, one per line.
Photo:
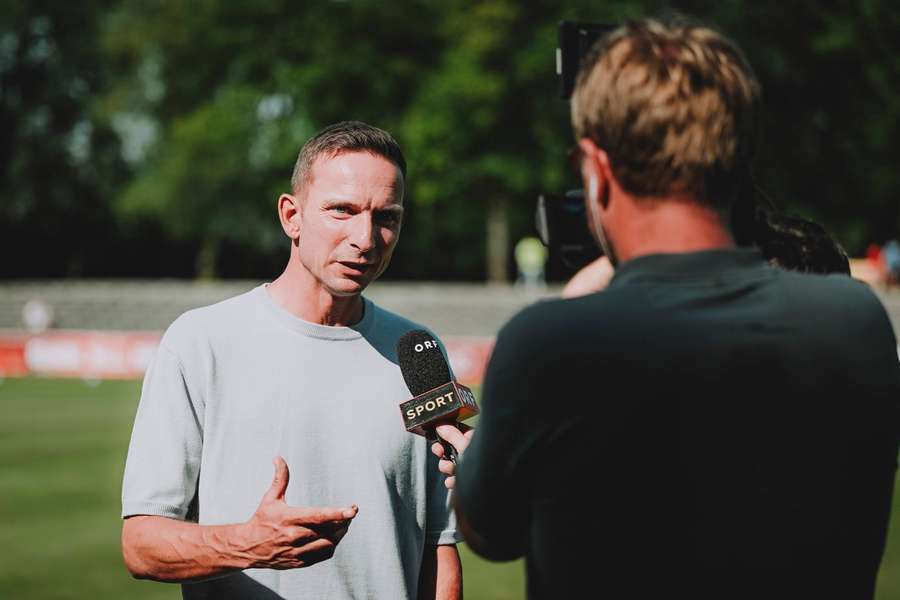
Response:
column 289, row 213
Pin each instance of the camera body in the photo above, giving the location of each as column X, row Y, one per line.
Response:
column 562, row 226
column 575, row 41
column 560, row 218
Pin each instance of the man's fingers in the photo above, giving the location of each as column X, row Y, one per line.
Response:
column 279, row 482
column 453, row 435
column 450, row 482
column 304, row 515
column 303, row 556
column 437, row 449
column 315, row 551
column 447, row 467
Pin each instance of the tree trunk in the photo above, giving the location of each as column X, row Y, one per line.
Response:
column 497, row 243
column 205, row 262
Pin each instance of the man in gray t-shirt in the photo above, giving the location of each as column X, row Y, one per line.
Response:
column 301, row 372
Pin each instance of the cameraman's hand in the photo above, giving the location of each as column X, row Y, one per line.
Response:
column 279, row 536
column 458, row 436
column 589, row 279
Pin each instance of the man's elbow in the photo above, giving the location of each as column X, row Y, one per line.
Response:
column 135, row 560
column 136, row 565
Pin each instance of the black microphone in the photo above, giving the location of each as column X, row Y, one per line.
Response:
column 438, row 398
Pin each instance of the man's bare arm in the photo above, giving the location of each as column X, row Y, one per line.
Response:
column 277, row 536
column 441, row 575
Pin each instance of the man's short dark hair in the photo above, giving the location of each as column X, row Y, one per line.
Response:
column 346, row 136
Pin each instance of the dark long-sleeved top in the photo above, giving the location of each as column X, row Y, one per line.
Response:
column 707, row 426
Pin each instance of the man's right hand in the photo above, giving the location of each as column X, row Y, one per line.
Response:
column 279, row 536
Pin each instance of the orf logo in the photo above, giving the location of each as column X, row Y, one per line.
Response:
column 425, row 346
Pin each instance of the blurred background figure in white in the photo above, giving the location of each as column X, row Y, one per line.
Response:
column 531, row 255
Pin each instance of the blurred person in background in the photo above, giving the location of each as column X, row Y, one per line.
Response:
column 302, row 370
column 708, row 426
column 891, row 253
column 875, row 269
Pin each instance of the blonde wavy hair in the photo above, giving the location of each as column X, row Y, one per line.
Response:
column 674, row 105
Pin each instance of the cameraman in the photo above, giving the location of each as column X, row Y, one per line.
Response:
column 707, row 426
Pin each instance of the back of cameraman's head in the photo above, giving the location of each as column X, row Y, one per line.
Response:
column 674, row 106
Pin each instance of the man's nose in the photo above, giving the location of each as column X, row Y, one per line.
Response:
column 362, row 235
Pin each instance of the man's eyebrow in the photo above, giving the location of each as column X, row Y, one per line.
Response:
column 341, row 202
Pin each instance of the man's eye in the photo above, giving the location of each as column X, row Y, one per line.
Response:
column 340, row 209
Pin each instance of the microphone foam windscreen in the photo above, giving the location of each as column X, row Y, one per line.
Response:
column 421, row 361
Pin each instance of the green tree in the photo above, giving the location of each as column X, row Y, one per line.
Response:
column 830, row 75
column 58, row 160
column 211, row 99
column 231, row 90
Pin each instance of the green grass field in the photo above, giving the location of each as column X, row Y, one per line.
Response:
column 62, row 449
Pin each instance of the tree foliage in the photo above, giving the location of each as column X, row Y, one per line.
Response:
column 59, row 165
column 154, row 137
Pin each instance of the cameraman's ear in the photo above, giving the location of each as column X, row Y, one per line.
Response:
column 596, row 172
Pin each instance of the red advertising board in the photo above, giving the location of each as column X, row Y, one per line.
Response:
column 125, row 355
column 12, row 355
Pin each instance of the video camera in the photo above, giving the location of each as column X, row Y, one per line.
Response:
column 560, row 218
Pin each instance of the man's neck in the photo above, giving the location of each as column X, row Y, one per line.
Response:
column 299, row 293
column 668, row 226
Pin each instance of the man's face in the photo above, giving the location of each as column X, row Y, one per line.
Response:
column 350, row 215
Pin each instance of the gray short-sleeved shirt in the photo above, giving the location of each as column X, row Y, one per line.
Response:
column 237, row 383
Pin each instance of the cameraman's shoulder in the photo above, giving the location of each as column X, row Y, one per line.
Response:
column 838, row 299
column 561, row 318
column 836, row 289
